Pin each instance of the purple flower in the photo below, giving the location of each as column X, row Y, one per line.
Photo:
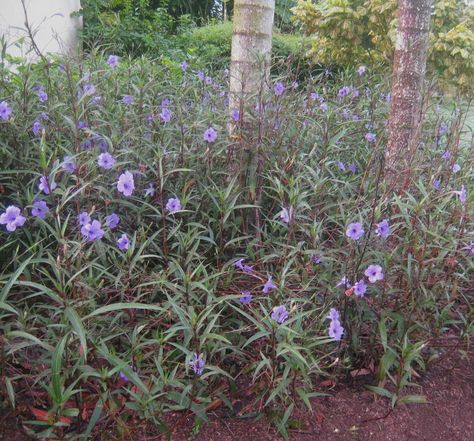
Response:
column 235, row 114
column 197, row 364
column 89, row 89
column 456, row 168
column 106, row 161
column 84, row 218
column 352, row 168
column 355, row 231
column 128, row 100
column 123, row 243
column 344, row 282
column 201, row 75
column 462, row 194
column 92, row 231
column 37, row 127
column 86, row 144
column 333, row 314
column 208, row 81
column 184, row 66
column 5, row 111
column 126, row 184
column 45, row 186
column 150, row 191
column 40, row 209
column 470, row 248
column 315, row 258
column 12, row 218
column 96, row 99
column 165, row 115
column 341, row 166
column 246, row 298
column 210, row 135
column 360, row 288
column 336, row 330
column 361, row 70
column 245, row 268
column 268, row 285
column 123, row 377
column 436, row 184
column 294, row 85
column 279, row 314
column 279, row 88
column 323, row 107
column 113, row 60
column 370, row 137
column 173, row 205
column 383, row 229
column 112, row 221
column 41, row 94
column 374, row 273
column 285, row 215
column 343, row 91
column 446, row 155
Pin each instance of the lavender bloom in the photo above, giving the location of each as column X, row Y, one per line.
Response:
column 383, row 229
column 12, row 218
column 436, row 184
column 333, row 314
column 344, row 282
column 245, row 268
column 352, row 168
column 361, row 70
column 184, row 66
column 456, row 168
column 285, row 215
column 45, row 186
column 336, row 330
column 246, row 298
column 126, row 184
column 81, row 125
column 165, row 115
column 5, row 111
column 268, row 285
column 370, row 137
column 355, row 231
column 197, row 364
column 106, row 161
column 84, row 218
column 279, row 88
column 210, row 135
column 92, row 231
column 123, row 243
column 128, row 100
column 374, row 273
column 341, row 166
column 173, row 205
column 360, row 288
column 37, row 127
column 41, row 94
column 208, row 81
column 235, row 114
column 279, row 314
column 344, row 91
column 113, row 60
column 89, row 89
column 150, row 191
column 68, row 164
column 40, row 209
column 112, row 220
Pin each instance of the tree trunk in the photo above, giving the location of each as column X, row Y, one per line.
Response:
column 407, row 86
column 251, row 49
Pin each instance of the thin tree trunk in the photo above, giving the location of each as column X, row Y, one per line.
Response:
column 408, row 77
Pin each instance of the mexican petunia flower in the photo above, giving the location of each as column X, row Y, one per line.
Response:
column 41, row 94
column 462, row 194
column 106, row 161
column 40, row 209
column 113, row 60
column 112, row 220
column 128, row 100
column 268, row 285
column 173, row 205
column 370, row 137
column 246, row 298
column 360, row 288
column 336, row 330
column 279, row 314
column 210, row 135
column 45, row 186
column 285, row 215
column 344, row 282
column 383, row 229
column 235, row 114
column 374, row 273
column 355, row 231
column 92, row 231
column 11, row 218
column 315, row 258
column 165, row 115
column 197, row 364
column 150, row 190
column 126, row 184
column 89, row 89
column 123, row 243
column 279, row 88
column 333, row 314
column 37, row 127
column 84, row 218
column 5, row 111
column 361, row 70
column 456, row 168
column 184, row 66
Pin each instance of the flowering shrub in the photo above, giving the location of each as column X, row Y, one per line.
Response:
column 150, row 259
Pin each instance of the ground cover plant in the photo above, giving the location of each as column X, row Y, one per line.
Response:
column 151, row 262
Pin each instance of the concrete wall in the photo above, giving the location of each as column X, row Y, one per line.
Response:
column 55, row 31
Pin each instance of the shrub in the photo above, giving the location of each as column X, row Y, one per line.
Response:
column 149, row 262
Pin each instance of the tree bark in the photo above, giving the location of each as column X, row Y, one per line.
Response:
column 251, row 49
column 408, row 77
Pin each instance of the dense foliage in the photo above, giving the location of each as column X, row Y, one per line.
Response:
column 353, row 32
column 148, row 267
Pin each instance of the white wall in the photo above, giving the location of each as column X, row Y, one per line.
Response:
column 55, row 31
